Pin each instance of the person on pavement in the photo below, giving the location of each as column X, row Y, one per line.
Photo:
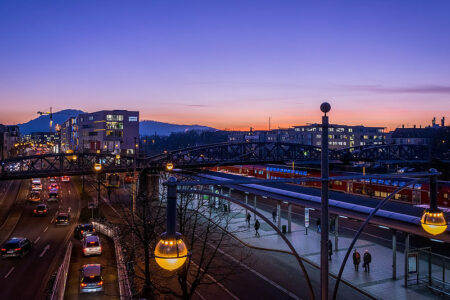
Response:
column 356, row 259
column 367, row 258
column 330, row 249
column 248, row 219
column 318, row 225
column 274, row 216
column 257, row 225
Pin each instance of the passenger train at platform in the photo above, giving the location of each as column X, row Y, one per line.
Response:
column 415, row 194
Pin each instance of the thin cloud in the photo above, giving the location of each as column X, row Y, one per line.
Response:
column 415, row 89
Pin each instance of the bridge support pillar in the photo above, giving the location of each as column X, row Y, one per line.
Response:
column 152, row 186
column 228, row 202
column 254, row 206
column 394, row 255
column 289, row 218
column 246, row 202
column 279, row 214
column 336, row 232
column 406, row 259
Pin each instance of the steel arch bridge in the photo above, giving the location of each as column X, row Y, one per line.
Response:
column 206, row 156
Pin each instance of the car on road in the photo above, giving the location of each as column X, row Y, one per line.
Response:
column 65, row 178
column 52, row 179
column 36, row 187
column 34, row 196
column 52, row 195
column 91, row 280
column 92, row 245
column 16, row 247
column 82, row 230
column 40, row 210
column 62, row 219
column 53, row 185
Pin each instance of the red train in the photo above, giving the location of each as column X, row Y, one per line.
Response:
column 416, row 194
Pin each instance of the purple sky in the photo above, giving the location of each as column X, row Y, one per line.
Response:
column 228, row 64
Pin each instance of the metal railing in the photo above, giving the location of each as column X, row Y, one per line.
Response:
column 59, row 286
column 122, row 274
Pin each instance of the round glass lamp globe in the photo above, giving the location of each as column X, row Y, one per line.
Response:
column 170, row 253
column 433, row 222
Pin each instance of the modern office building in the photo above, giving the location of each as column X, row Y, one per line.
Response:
column 69, row 135
column 114, row 131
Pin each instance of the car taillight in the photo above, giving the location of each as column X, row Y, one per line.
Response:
column 35, row 211
column 45, row 210
column 81, row 231
column 100, row 248
column 3, row 249
column 84, row 249
column 18, row 249
column 83, row 284
column 100, row 283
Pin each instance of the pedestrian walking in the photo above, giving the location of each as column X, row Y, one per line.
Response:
column 356, row 259
column 318, row 225
column 257, row 225
column 330, row 249
column 274, row 216
column 248, row 219
column 367, row 258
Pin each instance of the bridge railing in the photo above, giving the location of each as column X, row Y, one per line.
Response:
column 122, row 274
column 59, row 286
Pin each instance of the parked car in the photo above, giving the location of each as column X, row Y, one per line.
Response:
column 40, row 210
column 91, row 280
column 92, row 245
column 16, row 247
column 62, row 219
column 82, row 230
column 65, row 178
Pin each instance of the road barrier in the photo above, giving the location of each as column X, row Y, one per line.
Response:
column 59, row 286
column 122, row 274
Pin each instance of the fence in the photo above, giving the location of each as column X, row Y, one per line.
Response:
column 429, row 269
column 59, row 286
column 122, row 274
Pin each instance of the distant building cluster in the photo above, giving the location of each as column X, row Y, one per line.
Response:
column 345, row 136
column 111, row 131
column 340, row 136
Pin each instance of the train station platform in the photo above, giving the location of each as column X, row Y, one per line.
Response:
column 378, row 282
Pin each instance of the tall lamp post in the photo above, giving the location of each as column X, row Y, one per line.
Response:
column 97, row 169
column 171, row 251
column 324, row 169
column 433, row 219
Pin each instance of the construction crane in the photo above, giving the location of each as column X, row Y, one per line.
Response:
column 50, row 114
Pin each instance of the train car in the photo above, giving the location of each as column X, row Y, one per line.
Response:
column 415, row 194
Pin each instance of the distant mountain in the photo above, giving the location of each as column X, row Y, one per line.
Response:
column 164, row 129
column 42, row 123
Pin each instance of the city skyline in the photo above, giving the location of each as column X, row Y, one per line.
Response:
column 228, row 65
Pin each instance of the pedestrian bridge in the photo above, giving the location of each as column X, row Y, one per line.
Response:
column 207, row 156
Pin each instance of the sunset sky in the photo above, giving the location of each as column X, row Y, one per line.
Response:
column 228, row 64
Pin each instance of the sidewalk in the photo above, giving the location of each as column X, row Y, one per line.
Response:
column 378, row 282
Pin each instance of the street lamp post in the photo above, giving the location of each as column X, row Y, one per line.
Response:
column 433, row 219
column 98, row 168
column 324, row 169
column 171, row 251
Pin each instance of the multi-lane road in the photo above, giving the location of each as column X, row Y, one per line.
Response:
column 26, row 278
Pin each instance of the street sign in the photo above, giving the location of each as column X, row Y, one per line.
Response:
column 306, row 217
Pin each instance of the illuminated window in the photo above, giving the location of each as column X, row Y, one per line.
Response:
column 132, row 119
column 114, row 117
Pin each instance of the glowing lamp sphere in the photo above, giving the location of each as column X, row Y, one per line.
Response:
column 74, row 157
column 433, row 222
column 170, row 253
column 97, row 167
column 169, row 166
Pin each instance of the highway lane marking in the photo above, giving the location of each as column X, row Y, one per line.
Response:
column 46, row 228
column 9, row 273
column 37, row 240
column 292, row 295
column 45, row 250
column 216, row 282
